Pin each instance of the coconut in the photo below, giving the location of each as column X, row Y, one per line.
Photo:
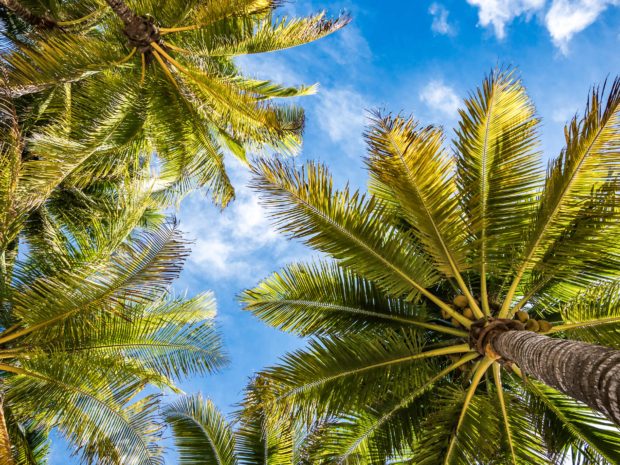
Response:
column 544, row 326
column 460, row 301
column 522, row 316
column 455, row 322
column 532, row 325
column 468, row 313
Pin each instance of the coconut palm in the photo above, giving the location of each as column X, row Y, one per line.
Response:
column 471, row 313
column 87, row 323
column 204, row 437
column 141, row 77
column 79, row 344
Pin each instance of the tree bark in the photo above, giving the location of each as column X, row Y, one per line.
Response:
column 6, row 454
column 586, row 372
column 140, row 30
column 42, row 22
column 123, row 12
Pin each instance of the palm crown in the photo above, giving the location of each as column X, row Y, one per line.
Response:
column 131, row 79
column 414, row 351
column 87, row 322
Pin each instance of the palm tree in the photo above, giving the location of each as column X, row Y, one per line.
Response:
column 204, row 437
column 471, row 314
column 171, row 85
column 88, row 329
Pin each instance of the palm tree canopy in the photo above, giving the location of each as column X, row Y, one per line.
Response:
column 446, row 243
column 173, row 90
column 87, row 321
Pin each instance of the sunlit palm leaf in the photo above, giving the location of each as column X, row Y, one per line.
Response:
column 588, row 161
column 342, row 224
column 202, row 435
column 410, row 168
column 499, row 172
column 326, row 299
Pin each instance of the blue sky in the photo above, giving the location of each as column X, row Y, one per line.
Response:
column 414, row 57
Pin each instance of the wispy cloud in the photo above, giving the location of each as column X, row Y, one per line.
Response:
column 440, row 98
column 350, row 46
column 440, row 24
column 562, row 18
column 341, row 115
column 236, row 242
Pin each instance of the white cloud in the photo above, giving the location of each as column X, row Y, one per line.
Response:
column 499, row 13
column 270, row 67
column 347, row 46
column 566, row 18
column 231, row 244
column 441, row 98
column 341, row 114
column 440, row 23
column 563, row 18
column 563, row 113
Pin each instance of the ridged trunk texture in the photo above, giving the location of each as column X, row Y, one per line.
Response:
column 6, row 456
column 140, row 31
column 122, row 11
column 586, row 372
column 26, row 15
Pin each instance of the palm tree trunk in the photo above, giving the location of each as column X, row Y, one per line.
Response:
column 123, row 11
column 42, row 22
column 586, row 372
column 6, row 455
column 140, row 30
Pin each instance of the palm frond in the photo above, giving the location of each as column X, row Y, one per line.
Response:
column 31, row 443
column 58, row 59
column 593, row 316
column 201, row 433
column 373, row 428
column 174, row 337
column 324, row 299
column 261, row 441
column 589, row 160
column 348, row 227
column 87, row 406
column 138, row 272
column 313, row 382
column 409, row 168
column 499, row 172
column 236, row 36
column 597, row 438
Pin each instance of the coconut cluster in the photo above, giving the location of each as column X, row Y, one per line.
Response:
column 461, row 305
column 538, row 326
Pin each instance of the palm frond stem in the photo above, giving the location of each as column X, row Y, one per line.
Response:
column 475, row 381
column 455, row 349
column 585, row 324
column 500, row 397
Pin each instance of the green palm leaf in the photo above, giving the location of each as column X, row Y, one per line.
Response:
column 202, row 435
column 589, row 160
column 84, row 404
column 312, row 382
column 325, row 299
column 593, row 316
column 597, row 438
column 498, row 169
column 345, row 225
